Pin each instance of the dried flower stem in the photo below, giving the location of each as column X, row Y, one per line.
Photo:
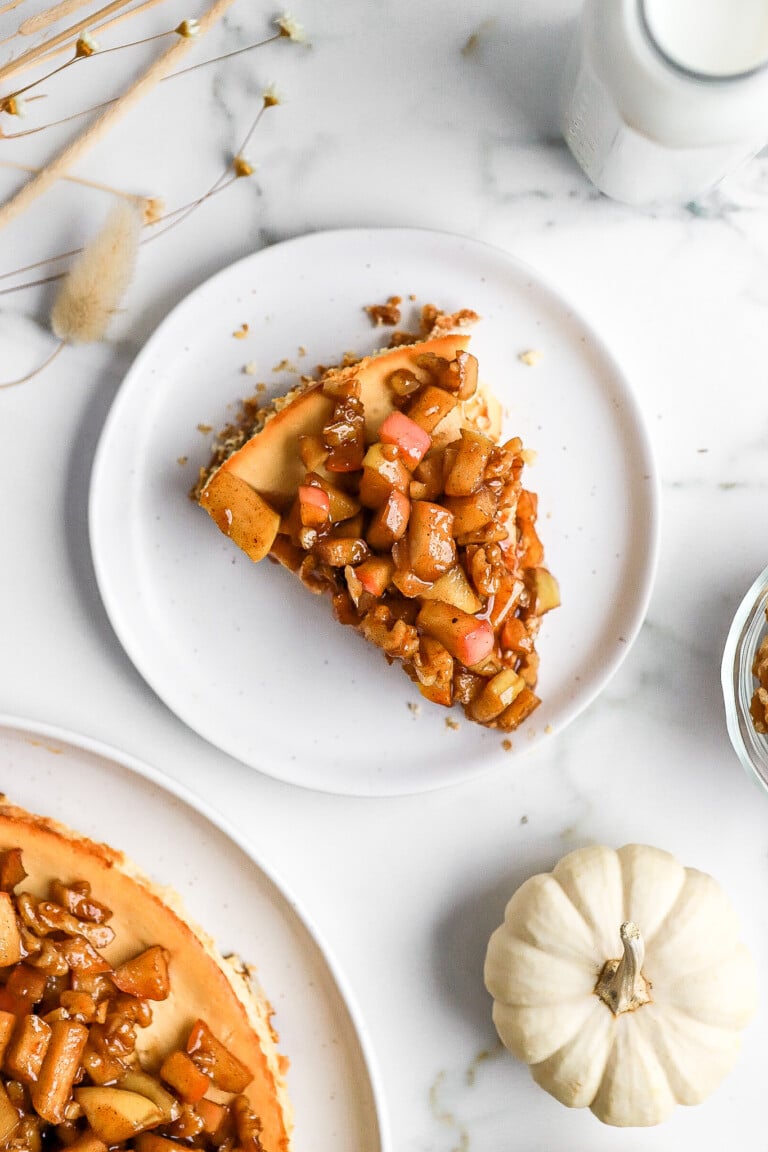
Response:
column 77, row 251
column 79, row 59
column 37, row 283
column 185, row 208
column 225, row 56
column 61, row 164
column 186, row 211
column 33, row 55
column 9, row 7
column 221, row 182
column 48, row 75
column 107, row 103
column 44, row 19
column 95, row 30
column 35, row 371
column 134, row 196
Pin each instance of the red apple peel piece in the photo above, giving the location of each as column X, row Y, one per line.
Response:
column 412, row 440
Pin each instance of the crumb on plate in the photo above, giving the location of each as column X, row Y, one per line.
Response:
column 388, row 313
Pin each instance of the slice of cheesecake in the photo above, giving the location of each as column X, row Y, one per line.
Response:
column 121, row 1025
column 385, row 483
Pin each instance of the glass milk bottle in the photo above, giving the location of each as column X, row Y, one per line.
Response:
column 662, row 98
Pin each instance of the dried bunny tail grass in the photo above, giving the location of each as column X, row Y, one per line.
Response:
column 98, row 279
column 94, row 285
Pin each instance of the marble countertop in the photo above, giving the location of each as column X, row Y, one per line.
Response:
column 439, row 115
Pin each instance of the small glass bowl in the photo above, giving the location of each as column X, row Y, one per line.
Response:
column 747, row 630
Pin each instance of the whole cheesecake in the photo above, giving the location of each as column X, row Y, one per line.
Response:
column 121, row 1024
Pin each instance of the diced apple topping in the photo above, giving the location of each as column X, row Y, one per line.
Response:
column 430, row 540
column 186, row 1079
column 416, row 521
column 430, row 406
column 471, row 513
column 497, row 694
column 210, row 1055
column 341, row 504
column 9, row 1115
column 10, row 937
column 11, row 869
column 469, row 464
column 381, row 473
column 454, row 588
column 314, row 506
column 410, row 438
column 544, row 590
column 71, row 1072
column 375, row 574
column 146, row 975
column 241, row 514
column 463, row 635
column 389, row 522
column 439, row 533
column 115, row 1115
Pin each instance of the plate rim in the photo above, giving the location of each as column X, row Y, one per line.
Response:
column 645, row 579
column 10, row 722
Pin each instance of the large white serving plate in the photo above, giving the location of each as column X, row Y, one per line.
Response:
column 240, row 651
column 182, row 842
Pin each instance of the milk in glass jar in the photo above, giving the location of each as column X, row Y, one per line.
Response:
column 663, row 98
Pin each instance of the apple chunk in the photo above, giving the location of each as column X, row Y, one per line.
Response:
column 12, row 871
column 464, row 636
column 9, row 1115
column 186, row 1079
column 137, row 1081
column 115, row 1114
column 314, row 506
column 145, row 975
column 430, row 540
column 410, row 437
column 10, row 939
column 223, row 1067
column 240, row 513
column 454, row 588
column 375, row 574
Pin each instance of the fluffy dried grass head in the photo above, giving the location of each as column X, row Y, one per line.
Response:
column 98, row 279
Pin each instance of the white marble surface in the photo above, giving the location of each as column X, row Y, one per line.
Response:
column 441, row 115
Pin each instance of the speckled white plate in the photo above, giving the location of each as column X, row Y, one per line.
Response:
column 182, row 842
column 240, row 651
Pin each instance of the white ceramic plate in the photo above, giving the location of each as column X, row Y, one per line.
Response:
column 180, row 841
column 240, row 651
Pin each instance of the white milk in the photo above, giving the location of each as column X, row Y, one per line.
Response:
column 710, row 37
column 663, row 97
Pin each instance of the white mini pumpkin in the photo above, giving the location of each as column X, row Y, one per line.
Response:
column 620, row 979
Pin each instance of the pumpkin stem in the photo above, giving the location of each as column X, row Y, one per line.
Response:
column 621, row 984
